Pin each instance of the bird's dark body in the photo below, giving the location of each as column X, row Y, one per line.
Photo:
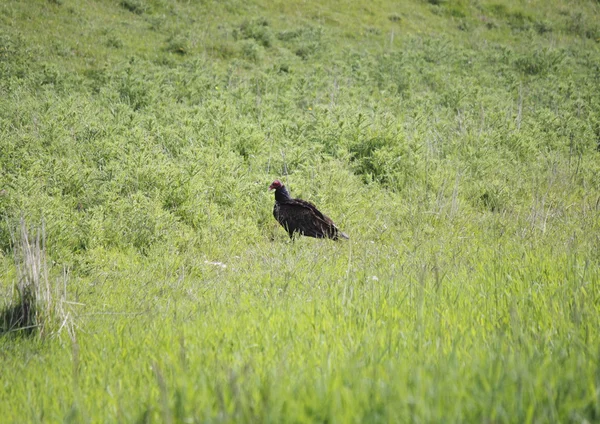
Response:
column 298, row 216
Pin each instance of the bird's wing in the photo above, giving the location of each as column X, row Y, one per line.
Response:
column 304, row 217
column 317, row 213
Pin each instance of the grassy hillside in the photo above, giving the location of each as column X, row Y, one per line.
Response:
column 456, row 142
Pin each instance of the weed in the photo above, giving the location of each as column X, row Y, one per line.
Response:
column 251, row 50
column 303, row 41
column 178, row 45
column 114, row 42
column 135, row 6
column 394, row 17
column 37, row 306
column 539, row 62
column 257, row 30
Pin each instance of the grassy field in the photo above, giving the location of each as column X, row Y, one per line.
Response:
column 457, row 143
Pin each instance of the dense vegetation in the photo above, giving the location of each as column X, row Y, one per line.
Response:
column 456, row 142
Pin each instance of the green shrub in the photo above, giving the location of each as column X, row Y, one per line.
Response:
column 251, row 50
column 303, row 41
column 257, row 30
column 539, row 62
column 135, row 6
column 178, row 44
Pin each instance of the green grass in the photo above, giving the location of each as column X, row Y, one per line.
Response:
column 456, row 142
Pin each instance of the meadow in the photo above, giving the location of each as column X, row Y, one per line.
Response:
column 457, row 143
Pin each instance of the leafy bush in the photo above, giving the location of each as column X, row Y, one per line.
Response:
column 178, row 44
column 135, row 6
column 303, row 41
column 251, row 50
column 257, row 30
column 539, row 62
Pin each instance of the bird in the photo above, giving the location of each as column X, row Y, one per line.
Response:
column 298, row 216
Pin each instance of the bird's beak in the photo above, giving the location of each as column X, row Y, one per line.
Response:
column 271, row 187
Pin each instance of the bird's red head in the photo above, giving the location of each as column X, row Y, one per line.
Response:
column 275, row 185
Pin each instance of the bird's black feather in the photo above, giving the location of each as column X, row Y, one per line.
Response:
column 298, row 216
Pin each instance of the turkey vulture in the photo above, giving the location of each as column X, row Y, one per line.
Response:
column 300, row 216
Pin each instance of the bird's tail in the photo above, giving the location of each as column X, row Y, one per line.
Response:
column 343, row 235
